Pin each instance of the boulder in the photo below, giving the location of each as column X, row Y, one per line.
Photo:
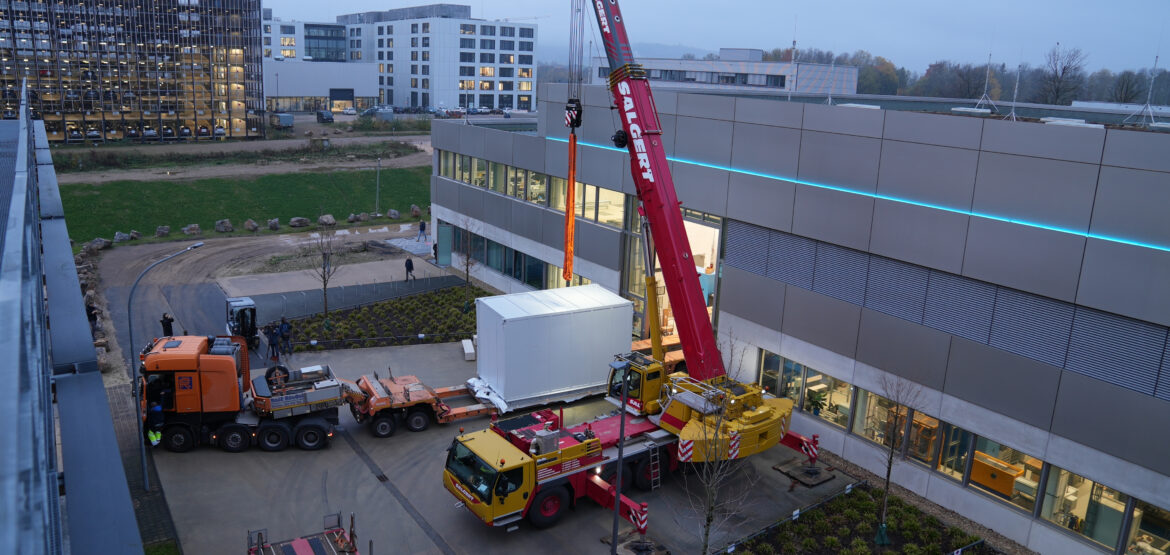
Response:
column 298, row 222
column 308, row 133
column 100, row 244
column 274, row 224
column 363, row 217
column 192, row 229
column 393, row 214
column 224, row 226
column 352, row 218
column 135, row 234
column 120, row 237
column 162, row 231
column 326, row 220
column 415, row 211
column 251, row 225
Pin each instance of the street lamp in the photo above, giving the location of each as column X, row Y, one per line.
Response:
column 133, row 367
column 378, row 190
column 622, row 366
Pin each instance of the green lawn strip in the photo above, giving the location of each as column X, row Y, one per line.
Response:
column 161, row 548
column 441, row 316
column 847, row 524
column 98, row 211
column 75, row 161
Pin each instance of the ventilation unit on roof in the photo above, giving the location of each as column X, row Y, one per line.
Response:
column 972, row 111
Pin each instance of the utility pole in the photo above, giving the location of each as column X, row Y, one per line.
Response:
column 378, row 190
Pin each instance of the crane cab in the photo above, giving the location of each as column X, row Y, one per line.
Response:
column 644, row 379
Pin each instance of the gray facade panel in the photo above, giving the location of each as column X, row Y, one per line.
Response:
column 666, row 102
column 844, row 119
column 701, row 188
column 603, row 168
column 1011, row 385
column 703, row 140
column 528, row 221
column 552, row 226
column 1126, row 280
column 528, row 152
column 840, row 160
column 761, row 148
column 905, row 349
column 471, row 140
column 833, row 216
column 597, row 96
column 471, row 201
column 497, row 210
column 1049, row 192
column 706, row 106
column 597, row 125
column 498, row 146
column 769, row 112
column 823, row 321
column 596, row 243
column 669, row 123
column 752, row 297
column 556, row 158
column 934, row 129
column 552, row 120
column 925, row 173
column 445, row 192
column 761, row 201
column 445, row 136
column 1137, row 149
column 1034, row 260
column 1131, row 204
column 924, row 236
column 1059, row 142
column 1134, row 421
column 555, row 93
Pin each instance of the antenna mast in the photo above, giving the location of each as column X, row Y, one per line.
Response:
column 987, row 83
column 1015, row 93
column 1147, row 111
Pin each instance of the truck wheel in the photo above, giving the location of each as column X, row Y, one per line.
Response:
column 417, row 420
column 548, row 507
column 642, row 478
column 310, row 437
column 234, row 438
column 273, row 436
column 383, row 425
column 178, row 439
column 610, row 475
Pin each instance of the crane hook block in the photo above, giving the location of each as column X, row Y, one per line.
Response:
column 620, row 138
column 573, row 113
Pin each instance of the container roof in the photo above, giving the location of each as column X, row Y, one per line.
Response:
column 553, row 301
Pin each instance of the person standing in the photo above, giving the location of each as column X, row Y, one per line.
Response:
column 272, row 334
column 285, row 336
column 154, row 422
column 410, row 269
column 422, row 231
column 167, row 322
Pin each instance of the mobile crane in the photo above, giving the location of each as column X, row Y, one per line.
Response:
column 533, row 466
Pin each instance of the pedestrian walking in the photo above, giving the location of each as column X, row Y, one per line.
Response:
column 167, row 322
column 410, row 269
column 422, row 231
column 272, row 334
column 285, row 336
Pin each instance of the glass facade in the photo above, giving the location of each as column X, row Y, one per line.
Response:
column 827, row 397
column 325, row 43
column 517, row 265
column 781, row 377
column 135, row 70
column 1088, row 508
column 1149, row 532
column 1005, row 472
column 879, row 419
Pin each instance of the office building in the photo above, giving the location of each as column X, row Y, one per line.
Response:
column 740, row 70
column 1007, row 281
column 135, row 70
column 307, row 68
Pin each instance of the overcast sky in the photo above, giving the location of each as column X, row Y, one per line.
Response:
column 1122, row 34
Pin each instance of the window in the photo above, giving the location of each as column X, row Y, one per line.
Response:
column 526, row 59
column 1150, row 529
column 479, row 172
column 381, row 80
column 516, row 180
column 466, row 71
column 380, row 43
column 879, row 420
column 426, row 55
column 288, row 41
column 779, row 376
column 426, row 84
column 923, row 438
column 426, row 27
column 487, row 71
column 505, row 101
column 466, row 29
column 389, row 29
column 507, row 58
column 414, row 69
column 268, row 29
column 414, row 27
column 507, row 31
column 288, row 53
column 288, row 29
column 414, row 55
column 359, row 31
column 775, row 81
column 381, row 55
column 526, row 32
column 487, row 30
column 390, row 43
column 389, row 68
column 1007, row 473
column 507, row 71
column 611, row 207
column 827, row 397
column 381, row 68
column 487, row 58
column 523, row 102
column 414, row 82
column 525, row 85
column 487, row 44
column 467, row 57
column 505, row 86
column 953, row 450
column 267, row 41
column 466, row 43
column 414, row 42
column 497, row 179
column 525, row 72
column 507, row 45
column 525, row 46
column 267, row 52
column 537, row 186
column 1083, row 506
column 426, row 70
column 485, row 85
column 381, row 30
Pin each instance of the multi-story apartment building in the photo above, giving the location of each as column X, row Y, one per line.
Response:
column 438, row 56
column 179, row 69
column 741, row 70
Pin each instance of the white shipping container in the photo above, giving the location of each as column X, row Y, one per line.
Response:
column 545, row 346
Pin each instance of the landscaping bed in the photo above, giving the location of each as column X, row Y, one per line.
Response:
column 439, row 316
column 848, row 523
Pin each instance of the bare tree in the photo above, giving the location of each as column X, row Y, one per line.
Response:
column 326, row 246
column 1128, row 88
column 902, row 394
column 1064, row 75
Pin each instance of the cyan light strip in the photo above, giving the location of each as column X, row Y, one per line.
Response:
column 912, row 202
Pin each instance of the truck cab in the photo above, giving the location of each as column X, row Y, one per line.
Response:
column 195, row 380
column 241, row 320
column 489, row 475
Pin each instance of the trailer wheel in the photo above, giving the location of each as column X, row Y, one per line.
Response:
column 310, row 437
column 273, row 436
column 234, row 438
column 417, row 420
column 548, row 507
column 383, row 425
column 178, row 439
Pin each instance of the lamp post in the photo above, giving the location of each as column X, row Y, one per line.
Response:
column 378, row 190
column 133, row 367
column 622, row 366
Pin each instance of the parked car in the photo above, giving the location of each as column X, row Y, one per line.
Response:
column 168, row 132
column 220, row 131
column 324, row 116
column 132, row 132
column 149, row 132
column 204, row 131
column 350, row 111
column 184, row 131
column 93, row 134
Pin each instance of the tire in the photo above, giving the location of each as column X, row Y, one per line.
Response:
column 642, row 478
column 178, row 439
column 311, row 437
column 273, row 437
column 548, row 506
column 418, row 420
column 234, row 438
column 610, row 475
column 383, row 425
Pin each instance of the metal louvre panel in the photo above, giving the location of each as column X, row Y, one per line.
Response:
column 896, row 288
column 959, row 306
column 746, row 247
column 1117, row 350
column 1163, row 389
column 841, row 273
column 1031, row 326
column 791, row 259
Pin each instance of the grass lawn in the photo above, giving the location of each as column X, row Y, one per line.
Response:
column 98, row 211
column 77, row 160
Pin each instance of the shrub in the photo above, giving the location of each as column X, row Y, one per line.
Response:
column 831, row 542
column 864, row 528
column 764, row 548
column 801, row 530
column 845, row 532
column 911, row 527
column 789, row 548
column 821, row 527
column 852, row 515
column 809, row 544
column 929, row 535
column 859, row 546
column 911, row 549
